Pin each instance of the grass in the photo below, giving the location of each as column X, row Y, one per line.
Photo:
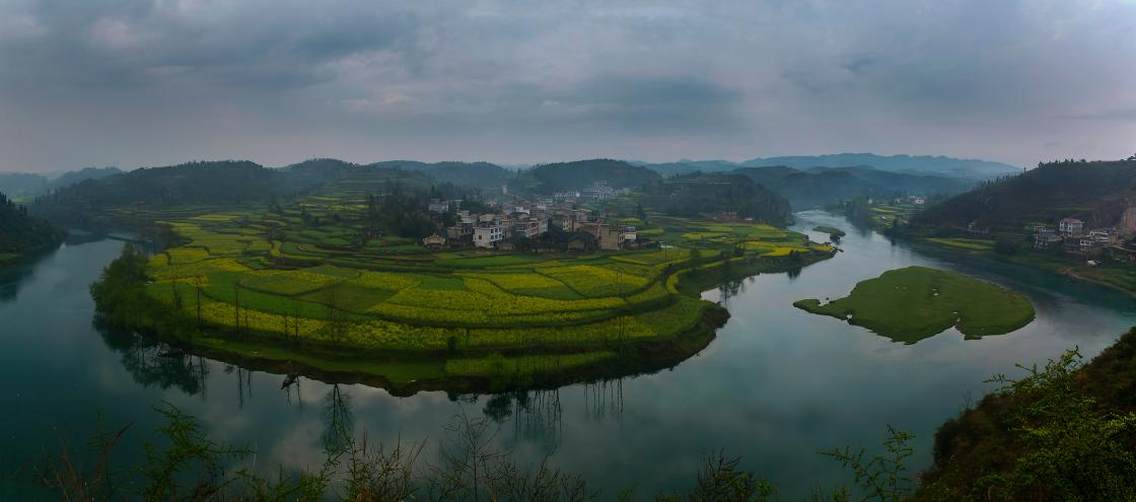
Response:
column 913, row 303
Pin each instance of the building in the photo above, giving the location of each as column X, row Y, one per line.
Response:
column 1045, row 237
column 440, row 206
column 434, row 241
column 1070, row 227
column 1103, row 236
column 487, row 236
column 609, row 237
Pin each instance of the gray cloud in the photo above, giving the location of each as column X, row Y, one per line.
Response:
column 147, row 82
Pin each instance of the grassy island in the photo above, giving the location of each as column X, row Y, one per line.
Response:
column 913, row 303
column 833, row 231
column 273, row 286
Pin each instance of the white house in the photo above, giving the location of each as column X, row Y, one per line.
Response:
column 1071, row 226
column 488, row 235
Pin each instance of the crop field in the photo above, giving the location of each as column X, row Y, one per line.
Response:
column 307, row 273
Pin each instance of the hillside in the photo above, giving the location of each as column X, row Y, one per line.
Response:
column 1065, row 433
column 819, row 187
column 1096, row 192
column 194, row 183
column 479, row 174
column 973, row 169
column 581, row 174
column 20, row 233
column 711, row 194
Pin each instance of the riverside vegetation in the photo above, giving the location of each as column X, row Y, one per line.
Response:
column 913, row 303
column 297, row 286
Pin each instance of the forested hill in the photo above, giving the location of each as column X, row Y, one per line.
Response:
column 1096, row 192
column 222, row 182
column 973, row 169
column 819, row 187
column 712, row 194
column 479, row 174
column 581, row 174
column 20, row 233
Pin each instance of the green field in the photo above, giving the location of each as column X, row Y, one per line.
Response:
column 913, row 303
column 305, row 274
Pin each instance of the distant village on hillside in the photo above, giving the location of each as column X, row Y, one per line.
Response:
column 530, row 219
column 1071, row 236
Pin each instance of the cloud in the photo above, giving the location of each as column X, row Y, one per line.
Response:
column 144, row 82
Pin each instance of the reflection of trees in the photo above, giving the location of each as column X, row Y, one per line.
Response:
column 11, row 279
column 730, row 289
column 604, row 398
column 536, row 414
column 338, row 421
column 244, row 383
column 794, row 272
column 152, row 362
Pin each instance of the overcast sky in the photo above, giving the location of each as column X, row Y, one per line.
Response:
column 141, row 83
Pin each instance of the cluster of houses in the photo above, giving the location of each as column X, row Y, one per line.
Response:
column 497, row 229
column 1071, row 236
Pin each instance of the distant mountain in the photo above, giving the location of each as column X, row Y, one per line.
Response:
column 29, row 185
column 701, row 194
column 22, row 185
column 84, row 174
column 973, row 169
column 1096, row 192
column 821, row 186
column 562, row 176
column 691, row 166
column 20, row 233
column 479, row 174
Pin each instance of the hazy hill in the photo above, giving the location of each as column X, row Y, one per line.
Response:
column 709, row 194
column 479, row 174
column 28, row 185
column 20, row 233
column 581, row 174
column 691, row 166
column 820, row 186
column 974, row 169
column 1096, row 192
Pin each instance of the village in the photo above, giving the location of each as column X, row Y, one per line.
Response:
column 1070, row 236
column 523, row 219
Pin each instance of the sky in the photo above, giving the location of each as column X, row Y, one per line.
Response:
column 155, row 82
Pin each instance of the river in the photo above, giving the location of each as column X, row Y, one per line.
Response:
column 776, row 386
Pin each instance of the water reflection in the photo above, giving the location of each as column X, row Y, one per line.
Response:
column 775, row 386
column 154, row 363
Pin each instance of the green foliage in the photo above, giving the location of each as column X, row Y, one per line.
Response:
column 20, row 233
column 881, row 477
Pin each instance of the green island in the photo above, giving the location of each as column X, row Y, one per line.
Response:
column 913, row 303
column 293, row 288
column 833, row 232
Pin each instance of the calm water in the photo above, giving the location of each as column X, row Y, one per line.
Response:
column 776, row 386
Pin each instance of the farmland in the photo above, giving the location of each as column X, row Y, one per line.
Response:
column 303, row 275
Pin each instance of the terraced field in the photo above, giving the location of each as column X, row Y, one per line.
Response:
column 305, row 274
